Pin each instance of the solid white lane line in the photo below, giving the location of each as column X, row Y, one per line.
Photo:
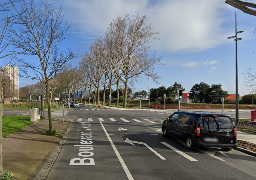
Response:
column 216, row 157
column 179, row 152
column 79, row 119
column 124, row 120
column 112, row 119
column 90, row 119
column 136, row 120
column 127, row 140
column 101, row 119
column 126, row 170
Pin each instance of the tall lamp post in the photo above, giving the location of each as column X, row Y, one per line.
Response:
column 236, row 39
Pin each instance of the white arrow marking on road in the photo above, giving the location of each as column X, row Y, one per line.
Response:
column 156, row 153
column 122, row 129
column 179, row 152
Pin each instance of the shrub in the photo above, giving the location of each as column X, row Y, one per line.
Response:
column 54, row 132
column 7, row 176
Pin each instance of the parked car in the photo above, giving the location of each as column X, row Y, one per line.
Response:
column 202, row 129
column 75, row 104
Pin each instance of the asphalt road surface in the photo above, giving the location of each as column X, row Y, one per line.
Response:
column 128, row 144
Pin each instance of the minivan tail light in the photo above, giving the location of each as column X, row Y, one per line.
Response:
column 198, row 131
column 235, row 133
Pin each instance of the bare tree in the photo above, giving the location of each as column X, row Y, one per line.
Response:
column 133, row 49
column 38, row 31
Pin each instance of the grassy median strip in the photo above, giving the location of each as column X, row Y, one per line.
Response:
column 12, row 124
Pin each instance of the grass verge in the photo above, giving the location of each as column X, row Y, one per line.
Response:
column 12, row 124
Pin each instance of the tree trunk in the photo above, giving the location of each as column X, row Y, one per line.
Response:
column 85, row 95
column 89, row 95
column 48, row 101
column 125, row 91
column 98, row 93
column 1, row 124
column 110, row 91
column 117, row 89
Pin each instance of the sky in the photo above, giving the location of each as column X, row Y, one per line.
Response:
column 193, row 43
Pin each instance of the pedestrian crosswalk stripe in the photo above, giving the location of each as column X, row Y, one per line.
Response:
column 136, row 120
column 101, row 119
column 112, row 119
column 124, row 120
column 149, row 121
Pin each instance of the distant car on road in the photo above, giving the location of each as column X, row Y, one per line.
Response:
column 202, row 129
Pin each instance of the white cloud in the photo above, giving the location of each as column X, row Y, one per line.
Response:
column 191, row 64
column 199, row 63
column 212, row 69
column 187, row 25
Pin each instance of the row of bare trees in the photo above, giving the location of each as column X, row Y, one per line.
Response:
column 120, row 56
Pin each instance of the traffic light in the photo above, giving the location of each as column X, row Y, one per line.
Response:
column 180, row 93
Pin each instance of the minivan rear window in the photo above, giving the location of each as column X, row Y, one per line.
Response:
column 216, row 123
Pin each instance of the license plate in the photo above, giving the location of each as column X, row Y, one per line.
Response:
column 215, row 140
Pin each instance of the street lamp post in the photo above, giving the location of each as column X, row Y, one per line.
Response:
column 236, row 39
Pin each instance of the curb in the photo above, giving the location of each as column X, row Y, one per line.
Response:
column 246, row 151
column 44, row 171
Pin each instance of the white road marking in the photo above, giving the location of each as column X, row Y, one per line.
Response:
column 122, row 129
column 101, row 119
column 87, row 109
column 179, row 152
column 124, row 120
column 79, row 119
column 126, row 170
column 81, row 109
column 112, row 119
column 153, row 134
column 136, row 120
column 90, row 119
column 149, row 121
column 92, row 109
column 151, row 149
column 216, row 157
column 158, row 129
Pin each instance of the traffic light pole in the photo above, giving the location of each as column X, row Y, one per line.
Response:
column 179, row 105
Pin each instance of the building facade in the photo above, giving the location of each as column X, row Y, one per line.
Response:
column 11, row 83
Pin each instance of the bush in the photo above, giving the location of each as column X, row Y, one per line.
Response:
column 7, row 176
column 54, row 132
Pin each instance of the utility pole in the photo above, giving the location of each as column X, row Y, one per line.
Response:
column 236, row 39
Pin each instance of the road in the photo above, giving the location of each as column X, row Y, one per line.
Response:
column 128, row 144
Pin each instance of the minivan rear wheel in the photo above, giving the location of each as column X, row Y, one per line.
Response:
column 189, row 142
